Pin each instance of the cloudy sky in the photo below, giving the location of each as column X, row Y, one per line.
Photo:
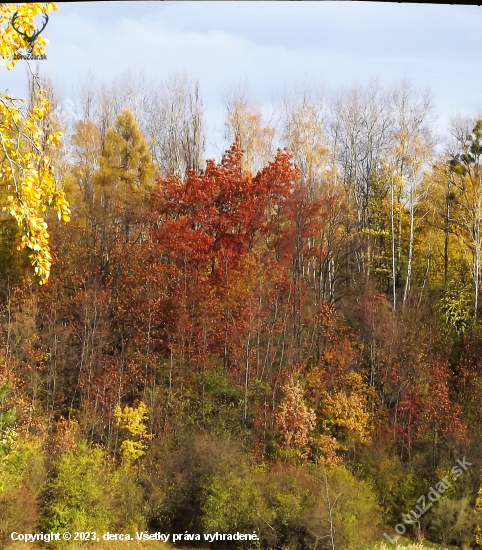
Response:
column 270, row 46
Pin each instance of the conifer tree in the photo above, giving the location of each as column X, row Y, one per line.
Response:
column 123, row 183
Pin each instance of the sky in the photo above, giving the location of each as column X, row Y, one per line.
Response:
column 269, row 46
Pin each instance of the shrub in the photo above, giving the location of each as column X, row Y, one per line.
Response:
column 129, row 508
column 185, row 468
column 299, row 502
column 22, row 477
column 232, row 502
column 87, row 493
column 210, row 485
column 452, row 522
column 78, row 497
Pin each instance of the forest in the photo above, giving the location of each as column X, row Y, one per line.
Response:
column 285, row 341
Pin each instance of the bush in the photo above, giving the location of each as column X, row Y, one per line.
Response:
column 452, row 522
column 129, row 507
column 397, row 487
column 87, row 493
column 232, row 502
column 22, row 478
column 184, row 469
column 78, row 497
column 299, row 503
column 209, row 485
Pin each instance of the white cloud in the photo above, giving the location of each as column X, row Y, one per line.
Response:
column 270, row 45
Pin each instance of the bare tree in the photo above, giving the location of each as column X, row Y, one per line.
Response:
column 175, row 126
column 302, row 129
column 170, row 116
column 360, row 133
column 360, row 126
column 244, row 121
column 412, row 148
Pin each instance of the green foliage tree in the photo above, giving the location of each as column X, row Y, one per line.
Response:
column 232, row 502
column 6, row 416
column 87, row 493
column 78, row 496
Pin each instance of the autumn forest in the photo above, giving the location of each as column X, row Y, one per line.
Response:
column 286, row 340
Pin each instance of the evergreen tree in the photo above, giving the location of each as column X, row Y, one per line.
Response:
column 123, row 185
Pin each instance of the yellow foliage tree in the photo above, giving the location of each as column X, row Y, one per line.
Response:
column 26, row 172
column 349, row 409
column 132, row 420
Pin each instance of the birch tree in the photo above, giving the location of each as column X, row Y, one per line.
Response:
column 361, row 123
column 412, row 146
column 467, row 178
column 27, row 174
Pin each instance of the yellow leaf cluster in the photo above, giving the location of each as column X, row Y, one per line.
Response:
column 328, row 446
column 131, row 450
column 350, row 408
column 133, row 420
column 26, row 171
column 8, row 440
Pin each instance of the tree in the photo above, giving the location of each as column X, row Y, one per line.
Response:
column 123, row 184
column 412, row 146
column 441, row 417
column 295, row 419
column 303, row 133
column 175, row 127
column 467, row 178
column 215, row 249
column 27, row 174
column 244, row 122
column 132, row 420
column 347, row 412
column 360, row 133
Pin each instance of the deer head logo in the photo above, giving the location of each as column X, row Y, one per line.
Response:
column 30, row 40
